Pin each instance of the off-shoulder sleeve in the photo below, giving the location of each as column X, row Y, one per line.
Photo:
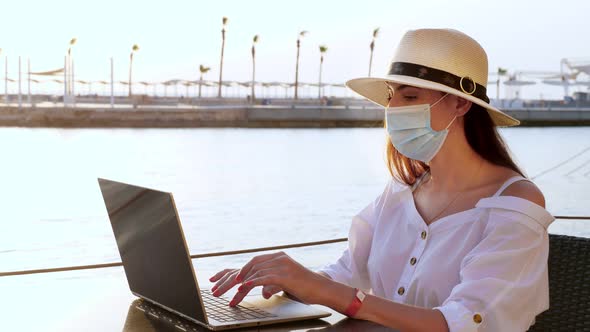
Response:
column 351, row 268
column 504, row 279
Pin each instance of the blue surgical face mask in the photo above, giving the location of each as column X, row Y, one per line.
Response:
column 410, row 131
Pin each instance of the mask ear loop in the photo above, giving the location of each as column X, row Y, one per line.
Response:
column 438, row 101
column 455, row 118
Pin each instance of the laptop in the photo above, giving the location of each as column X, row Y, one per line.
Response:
column 159, row 270
column 141, row 317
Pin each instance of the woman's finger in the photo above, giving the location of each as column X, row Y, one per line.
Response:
column 256, row 260
column 224, row 284
column 267, row 279
column 220, row 274
column 247, row 286
column 228, row 274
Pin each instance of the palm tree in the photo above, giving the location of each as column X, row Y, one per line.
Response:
column 323, row 49
column 203, row 71
column 501, row 72
column 372, row 46
column 224, row 23
column 5, row 78
column 254, row 41
column 301, row 35
column 70, row 65
column 134, row 49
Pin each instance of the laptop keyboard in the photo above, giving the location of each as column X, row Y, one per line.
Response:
column 218, row 308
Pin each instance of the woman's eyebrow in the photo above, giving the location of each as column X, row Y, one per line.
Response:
column 401, row 87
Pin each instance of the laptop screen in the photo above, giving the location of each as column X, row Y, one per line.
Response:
column 152, row 246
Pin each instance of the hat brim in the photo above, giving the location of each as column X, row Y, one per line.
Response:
column 375, row 90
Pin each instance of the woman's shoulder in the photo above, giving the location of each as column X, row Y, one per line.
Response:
column 517, row 200
column 512, row 183
column 525, row 190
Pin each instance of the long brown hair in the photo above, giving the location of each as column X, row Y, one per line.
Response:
column 482, row 136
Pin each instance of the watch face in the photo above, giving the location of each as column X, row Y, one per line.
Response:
column 360, row 295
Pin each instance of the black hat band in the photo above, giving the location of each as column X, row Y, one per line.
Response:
column 463, row 84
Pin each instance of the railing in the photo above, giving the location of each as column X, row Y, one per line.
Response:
column 213, row 254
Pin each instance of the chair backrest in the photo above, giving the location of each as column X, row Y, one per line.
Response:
column 569, row 286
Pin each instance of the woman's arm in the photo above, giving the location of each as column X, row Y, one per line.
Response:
column 282, row 271
column 385, row 312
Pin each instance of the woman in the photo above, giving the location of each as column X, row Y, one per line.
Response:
column 458, row 239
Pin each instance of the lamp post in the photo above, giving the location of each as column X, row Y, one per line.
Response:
column 134, row 49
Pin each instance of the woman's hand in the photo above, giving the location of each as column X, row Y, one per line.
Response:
column 225, row 280
column 275, row 272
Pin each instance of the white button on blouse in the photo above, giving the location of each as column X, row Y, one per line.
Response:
column 485, row 268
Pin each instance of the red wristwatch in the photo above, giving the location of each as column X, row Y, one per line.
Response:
column 355, row 305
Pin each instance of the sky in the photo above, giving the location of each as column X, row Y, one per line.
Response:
column 176, row 36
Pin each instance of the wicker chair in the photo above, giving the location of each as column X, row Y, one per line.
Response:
column 569, row 286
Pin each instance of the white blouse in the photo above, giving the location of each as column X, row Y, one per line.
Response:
column 484, row 268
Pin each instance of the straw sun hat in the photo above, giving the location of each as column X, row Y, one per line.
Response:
column 438, row 59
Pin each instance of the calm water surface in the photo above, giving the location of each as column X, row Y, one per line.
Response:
column 234, row 188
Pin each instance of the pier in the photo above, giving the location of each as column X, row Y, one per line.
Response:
column 279, row 114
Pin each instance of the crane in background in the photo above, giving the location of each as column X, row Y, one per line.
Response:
column 572, row 72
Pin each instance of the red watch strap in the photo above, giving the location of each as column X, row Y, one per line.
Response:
column 356, row 303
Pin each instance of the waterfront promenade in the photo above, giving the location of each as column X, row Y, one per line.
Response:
column 267, row 113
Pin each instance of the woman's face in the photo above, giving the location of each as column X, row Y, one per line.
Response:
column 440, row 115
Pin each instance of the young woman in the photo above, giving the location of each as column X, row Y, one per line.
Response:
column 458, row 239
